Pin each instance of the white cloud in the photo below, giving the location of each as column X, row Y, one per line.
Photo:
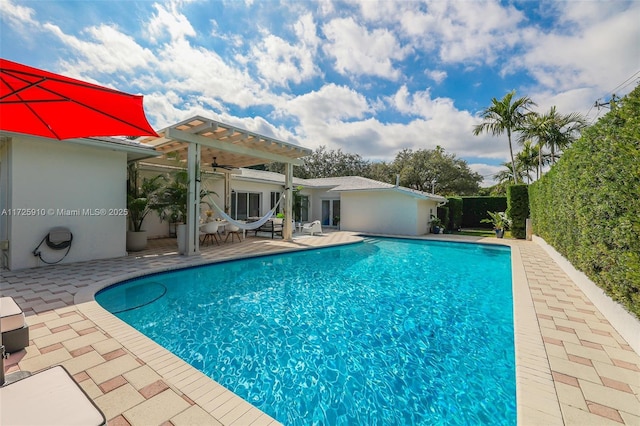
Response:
column 572, row 15
column 574, row 100
column 487, row 171
column 306, row 30
column 420, row 104
column 470, row 31
column 358, row 51
column 330, row 104
column 581, row 51
column 168, row 21
column 381, row 11
column 436, row 75
column 280, row 62
column 193, row 70
column 104, row 50
column 597, row 56
column 18, row 17
column 336, row 117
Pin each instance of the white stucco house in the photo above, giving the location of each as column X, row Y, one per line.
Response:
column 350, row 203
column 370, row 206
column 80, row 185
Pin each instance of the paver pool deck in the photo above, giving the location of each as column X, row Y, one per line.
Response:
column 572, row 366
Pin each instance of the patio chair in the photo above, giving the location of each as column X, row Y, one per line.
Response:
column 233, row 231
column 209, row 231
column 273, row 226
column 50, row 397
column 312, row 228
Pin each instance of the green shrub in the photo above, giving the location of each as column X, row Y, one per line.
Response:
column 588, row 206
column 474, row 209
column 455, row 213
column 518, row 209
column 443, row 215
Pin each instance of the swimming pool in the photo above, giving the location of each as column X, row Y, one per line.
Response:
column 386, row 331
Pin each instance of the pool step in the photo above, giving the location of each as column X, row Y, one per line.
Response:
column 370, row 240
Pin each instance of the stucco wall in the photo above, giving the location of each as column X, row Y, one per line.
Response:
column 426, row 208
column 70, row 184
column 384, row 212
column 264, row 189
column 315, row 200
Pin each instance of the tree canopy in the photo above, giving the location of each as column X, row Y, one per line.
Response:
column 433, row 170
column 324, row 163
column 428, row 170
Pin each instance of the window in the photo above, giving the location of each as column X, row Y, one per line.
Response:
column 302, row 209
column 275, row 196
column 245, row 204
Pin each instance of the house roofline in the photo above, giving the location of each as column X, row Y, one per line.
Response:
column 402, row 190
column 135, row 150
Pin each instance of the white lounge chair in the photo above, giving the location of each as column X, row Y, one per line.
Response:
column 312, row 228
column 50, row 397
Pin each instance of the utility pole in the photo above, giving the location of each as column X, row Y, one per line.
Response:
column 607, row 104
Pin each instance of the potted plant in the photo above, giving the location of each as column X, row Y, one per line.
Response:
column 436, row 225
column 173, row 203
column 500, row 222
column 142, row 199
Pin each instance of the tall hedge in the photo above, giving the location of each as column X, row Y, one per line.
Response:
column 588, row 205
column 443, row 215
column 518, row 209
column 455, row 212
column 474, row 209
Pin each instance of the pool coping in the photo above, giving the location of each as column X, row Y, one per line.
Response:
column 536, row 397
column 595, row 372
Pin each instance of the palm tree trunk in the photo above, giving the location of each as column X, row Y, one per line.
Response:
column 513, row 161
column 539, row 173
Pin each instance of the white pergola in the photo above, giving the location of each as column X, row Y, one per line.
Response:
column 199, row 140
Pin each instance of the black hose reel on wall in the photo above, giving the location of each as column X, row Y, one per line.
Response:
column 58, row 238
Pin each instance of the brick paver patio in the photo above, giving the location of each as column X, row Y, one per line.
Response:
column 572, row 366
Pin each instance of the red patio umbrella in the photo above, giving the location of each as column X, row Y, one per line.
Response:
column 41, row 103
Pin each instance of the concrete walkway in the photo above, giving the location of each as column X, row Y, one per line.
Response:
column 572, row 367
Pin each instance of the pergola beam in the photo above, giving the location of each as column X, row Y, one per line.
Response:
column 225, row 146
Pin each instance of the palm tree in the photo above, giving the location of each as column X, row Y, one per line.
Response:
column 505, row 116
column 554, row 130
column 535, row 128
column 505, row 175
column 562, row 130
column 528, row 159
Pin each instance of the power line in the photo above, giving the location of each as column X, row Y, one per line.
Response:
column 618, row 86
column 597, row 115
column 588, row 112
column 598, row 104
column 630, row 82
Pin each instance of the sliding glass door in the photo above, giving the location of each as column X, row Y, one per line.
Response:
column 330, row 212
column 245, row 204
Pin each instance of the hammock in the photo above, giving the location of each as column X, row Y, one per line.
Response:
column 243, row 225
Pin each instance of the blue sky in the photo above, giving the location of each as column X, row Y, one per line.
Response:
column 367, row 77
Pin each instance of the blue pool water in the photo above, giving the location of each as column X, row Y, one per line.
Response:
column 387, row 331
